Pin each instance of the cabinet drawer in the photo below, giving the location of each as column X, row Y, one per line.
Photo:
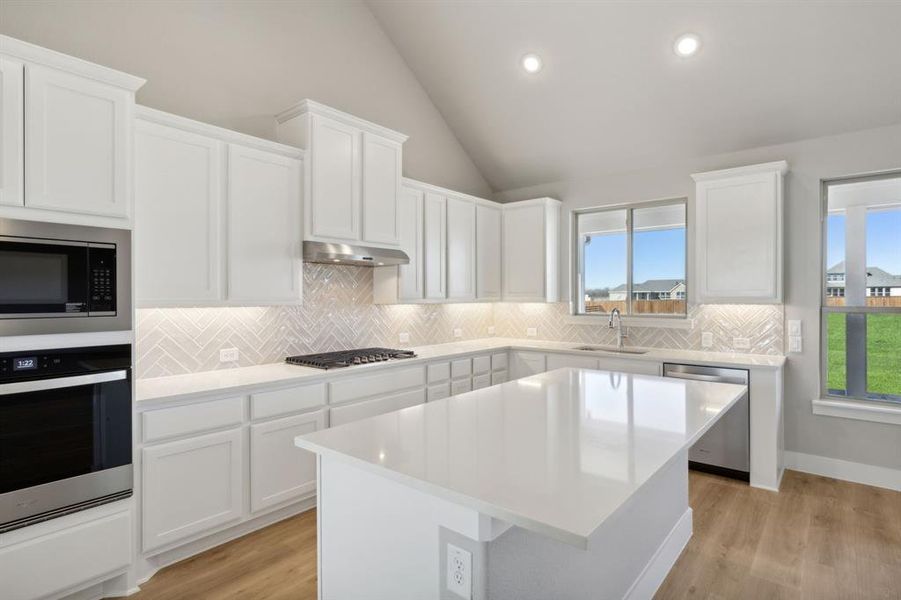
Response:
column 437, row 392
column 461, row 386
column 481, row 381
column 481, row 364
column 498, row 377
column 377, row 406
column 640, row 367
column 385, row 382
column 282, row 402
column 439, row 372
column 193, row 418
column 461, row 368
column 559, row 361
column 499, row 361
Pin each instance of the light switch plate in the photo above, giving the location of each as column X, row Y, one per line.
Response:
column 228, row 355
column 794, row 327
column 741, row 343
column 404, row 338
column 531, row 331
column 706, row 339
column 795, row 344
column 458, row 333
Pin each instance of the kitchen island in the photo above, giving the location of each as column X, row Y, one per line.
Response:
column 566, row 484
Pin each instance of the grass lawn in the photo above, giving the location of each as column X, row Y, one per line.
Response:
column 883, row 353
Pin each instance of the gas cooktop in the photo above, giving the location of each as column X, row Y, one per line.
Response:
column 348, row 358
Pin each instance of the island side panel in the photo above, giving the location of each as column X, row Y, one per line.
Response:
column 767, row 427
column 628, row 556
column 379, row 539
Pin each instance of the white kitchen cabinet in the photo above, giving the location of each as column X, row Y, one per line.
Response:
column 12, row 132
column 558, row 361
column 435, row 246
column 191, row 486
column 404, row 283
column 264, row 227
column 340, row 415
column 354, row 174
column 437, row 392
column 530, row 250
column 523, row 364
column 488, row 251
column 738, row 239
column 461, row 249
column 461, row 386
column 625, row 365
column 499, row 377
column 280, row 472
column 179, row 197
column 481, row 381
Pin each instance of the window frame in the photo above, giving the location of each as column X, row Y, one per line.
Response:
column 577, row 259
column 825, row 310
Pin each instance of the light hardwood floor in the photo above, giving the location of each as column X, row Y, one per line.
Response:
column 817, row 539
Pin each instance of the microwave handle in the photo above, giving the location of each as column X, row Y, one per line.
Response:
column 39, row 385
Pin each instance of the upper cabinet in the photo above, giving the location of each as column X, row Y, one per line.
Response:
column 74, row 121
column 354, row 178
column 531, row 235
column 488, row 251
column 738, row 243
column 461, row 249
column 405, row 283
column 218, row 216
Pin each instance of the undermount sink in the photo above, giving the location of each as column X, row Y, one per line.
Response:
column 610, row 349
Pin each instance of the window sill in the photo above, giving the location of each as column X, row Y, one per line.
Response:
column 863, row 410
column 662, row 322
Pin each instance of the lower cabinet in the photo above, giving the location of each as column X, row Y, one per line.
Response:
column 638, row 367
column 191, row 485
column 558, row 361
column 524, row 364
column 377, row 406
column 279, row 471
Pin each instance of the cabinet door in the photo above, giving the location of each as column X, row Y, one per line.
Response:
column 191, row 486
column 461, row 249
column 558, row 361
column 381, row 188
column 524, row 364
column 334, row 180
column 76, row 159
column 411, row 284
column 481, row 381
column 435, row 242
column 178, row 203
column 488, row 252
column 280, row 471
column 12, row 133
column 498, row 377
column 264, row 231
column 461, row 386
column 524, row 253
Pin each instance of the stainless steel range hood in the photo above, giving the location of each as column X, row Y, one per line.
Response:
column 346, row 254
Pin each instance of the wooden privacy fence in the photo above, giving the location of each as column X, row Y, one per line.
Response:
column 874, row 301
column 660, row 307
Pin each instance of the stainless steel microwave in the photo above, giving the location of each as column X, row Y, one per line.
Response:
column 63, row 278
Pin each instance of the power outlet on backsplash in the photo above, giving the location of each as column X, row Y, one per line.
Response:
column 531, row 331
column 741, row 343
column 491, row 330
column 228, row 355
column 706, row 339
column 458, row 333
column 404, row 338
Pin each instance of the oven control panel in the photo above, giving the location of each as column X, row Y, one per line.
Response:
column 39, row 364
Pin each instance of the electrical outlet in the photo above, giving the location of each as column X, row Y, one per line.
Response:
column 404, row 338
column 532, row 331
column 794, row 343
column 741, row 343
column 706, row 339
column 459, row 571
column 458, row 333
column 228, row 355
column 491, row 330
column 794, row 327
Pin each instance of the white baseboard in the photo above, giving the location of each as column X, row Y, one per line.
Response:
column 843, row 469
column 662, row 563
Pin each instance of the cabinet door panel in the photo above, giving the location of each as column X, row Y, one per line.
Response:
column 78, row 144
column 498, row 377
column 435, row 240
column 524, row 364
column 488, row 253
column 264, row 230
column 191, row 486
column 279, row 471
column 381, row 188
column 524, row 253
column 335, row 180
column 461, row 257
column 12, row 132
column 411, row 285
column 178, row 203
column 481, row 381
column 437, row 392
column 461, row 386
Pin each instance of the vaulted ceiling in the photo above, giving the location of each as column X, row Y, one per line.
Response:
column 613, row 96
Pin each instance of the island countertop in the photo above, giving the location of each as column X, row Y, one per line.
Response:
column 555, row 453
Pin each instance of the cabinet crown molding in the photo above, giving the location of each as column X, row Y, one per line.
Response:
column 780, row 165
column 50, row 58
column 312, row 107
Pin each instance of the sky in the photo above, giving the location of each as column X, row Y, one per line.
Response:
column 883, row 240
column 656, row 255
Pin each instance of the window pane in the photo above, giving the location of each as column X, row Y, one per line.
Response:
column 835, row 354
column 884, row 356
column 658, row 260
column 604, row 259
column 884, row 257
column 835, row 259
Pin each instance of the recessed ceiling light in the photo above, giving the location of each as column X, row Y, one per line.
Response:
column 687, row 45
column 531, row 63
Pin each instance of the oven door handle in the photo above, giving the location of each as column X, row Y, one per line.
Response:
column 39, row 385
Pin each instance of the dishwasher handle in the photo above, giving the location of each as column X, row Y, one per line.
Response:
column 695, row 377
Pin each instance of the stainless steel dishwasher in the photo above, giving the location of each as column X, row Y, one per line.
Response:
column 725, row 449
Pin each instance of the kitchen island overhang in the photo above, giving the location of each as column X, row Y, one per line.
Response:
column 574, row 471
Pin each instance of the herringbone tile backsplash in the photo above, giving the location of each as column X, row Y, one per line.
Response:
column 338, row 313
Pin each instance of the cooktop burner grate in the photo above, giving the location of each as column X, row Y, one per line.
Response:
column 348, row 358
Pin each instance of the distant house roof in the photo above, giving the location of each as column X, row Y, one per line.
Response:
column 652, row 285
column 876, row 277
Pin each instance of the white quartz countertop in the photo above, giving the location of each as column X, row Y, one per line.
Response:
column 555, row 453
column 242, row 379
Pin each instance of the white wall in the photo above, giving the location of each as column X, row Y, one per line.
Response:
column 237, row 63
column 810, row 161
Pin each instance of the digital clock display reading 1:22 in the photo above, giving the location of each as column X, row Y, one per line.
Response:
column 26, row 363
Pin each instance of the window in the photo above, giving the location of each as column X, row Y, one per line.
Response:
column 862, row 315
column 631, row 258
